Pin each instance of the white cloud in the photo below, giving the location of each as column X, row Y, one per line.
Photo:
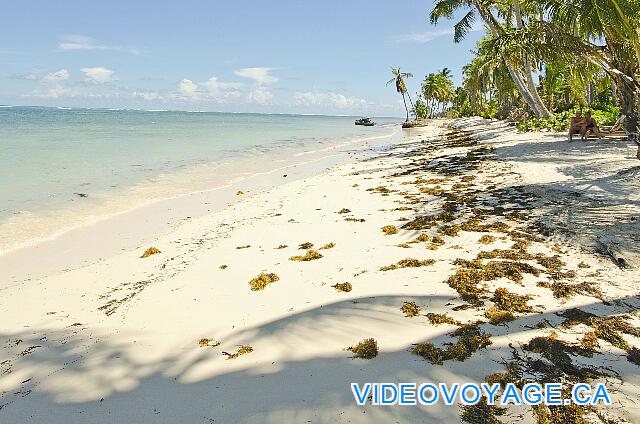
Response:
column 82, row 42
column 56, row 91
column 188, row 89
column 55, row 77
column 29, row 76
column 260, row 96
column 259, row 75
column 97, row 75
column 425, row 37
column 212, row 89
column 328, row 100
column 79, row 42
column 217, row 88
column 148, row 95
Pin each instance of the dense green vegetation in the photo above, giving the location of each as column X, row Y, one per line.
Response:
column 540, row 60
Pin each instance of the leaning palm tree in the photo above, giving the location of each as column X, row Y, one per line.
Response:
column 398, row 78
column 519, row 70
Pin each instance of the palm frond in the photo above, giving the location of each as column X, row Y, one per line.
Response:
column 462, row 28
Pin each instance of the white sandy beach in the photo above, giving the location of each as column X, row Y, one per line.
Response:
column 92, row 332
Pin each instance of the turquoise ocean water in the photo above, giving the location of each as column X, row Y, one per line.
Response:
column 51, row 158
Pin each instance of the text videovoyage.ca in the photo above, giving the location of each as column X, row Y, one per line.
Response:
column 410, row 394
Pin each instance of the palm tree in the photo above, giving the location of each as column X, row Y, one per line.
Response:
column 617, row 24
column 438, row 91
column 519, row 70
column 398, row 79
column 446, row 72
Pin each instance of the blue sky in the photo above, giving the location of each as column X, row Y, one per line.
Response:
column 329, row 57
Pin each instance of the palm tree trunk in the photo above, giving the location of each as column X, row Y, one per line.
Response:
column 411, row 102
column 405, row 106
column 521, row 85
column 543, row 112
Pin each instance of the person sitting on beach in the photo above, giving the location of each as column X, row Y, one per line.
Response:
column 577, row 125
column 590, row 125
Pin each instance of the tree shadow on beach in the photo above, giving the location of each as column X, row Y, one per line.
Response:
column 594, row 201
column 72, row 377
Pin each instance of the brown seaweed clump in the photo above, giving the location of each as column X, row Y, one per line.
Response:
column 239, row 193
column 246, row 246
column 505, row 300
column 470, row 339
column 558, row 353
column 430, row 352
column 380, row 189
column 355, row 219
column 590, row 341
column 633, row 355
column 150, row 251
column 365, row 349
column 439, row 241
column 561, row 290
column 487, row 239
column 204, row 342
column 242, row 350
column 437, row 319
column 223, row 266
column 481, row 413
column 409, row 263
column 344, row 210
column 505, row 304
column 343, row 287
column 262, row 281
column 311, row 255
column 551, row 263
column 410, row 309
column 328, row 246
column 282, row 246
column 306, row 245
column 498, row 316
column 565, row 414
column 389, row 230
column 450, row 230
column 422, row 238
column 469, row 280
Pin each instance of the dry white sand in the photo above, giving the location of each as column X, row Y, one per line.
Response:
column 117, row 340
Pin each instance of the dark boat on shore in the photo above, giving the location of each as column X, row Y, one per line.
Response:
column 367, row 122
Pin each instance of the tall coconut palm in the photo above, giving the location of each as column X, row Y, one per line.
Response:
column 401, row 87
column 520, row 71
column 438, row 91
column 617, row 24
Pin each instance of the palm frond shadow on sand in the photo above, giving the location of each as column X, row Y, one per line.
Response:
column 87, row 381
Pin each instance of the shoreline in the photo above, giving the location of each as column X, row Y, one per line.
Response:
column 156, row 216
column 112, row 165
column 453, row 265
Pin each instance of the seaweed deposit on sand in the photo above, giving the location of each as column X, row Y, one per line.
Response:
column 475, row 284
column 365, row 349
column 242, row 350
column 311, row 255
column 262, row 281
column 150, row 251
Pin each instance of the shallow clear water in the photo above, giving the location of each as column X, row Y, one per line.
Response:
column 50, row 158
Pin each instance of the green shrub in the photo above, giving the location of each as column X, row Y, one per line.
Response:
column 608, row 115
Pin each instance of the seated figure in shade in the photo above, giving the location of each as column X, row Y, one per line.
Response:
column 590, row 125
column 577, row 125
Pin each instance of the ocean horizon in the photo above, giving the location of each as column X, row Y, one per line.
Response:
column 115, row 109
